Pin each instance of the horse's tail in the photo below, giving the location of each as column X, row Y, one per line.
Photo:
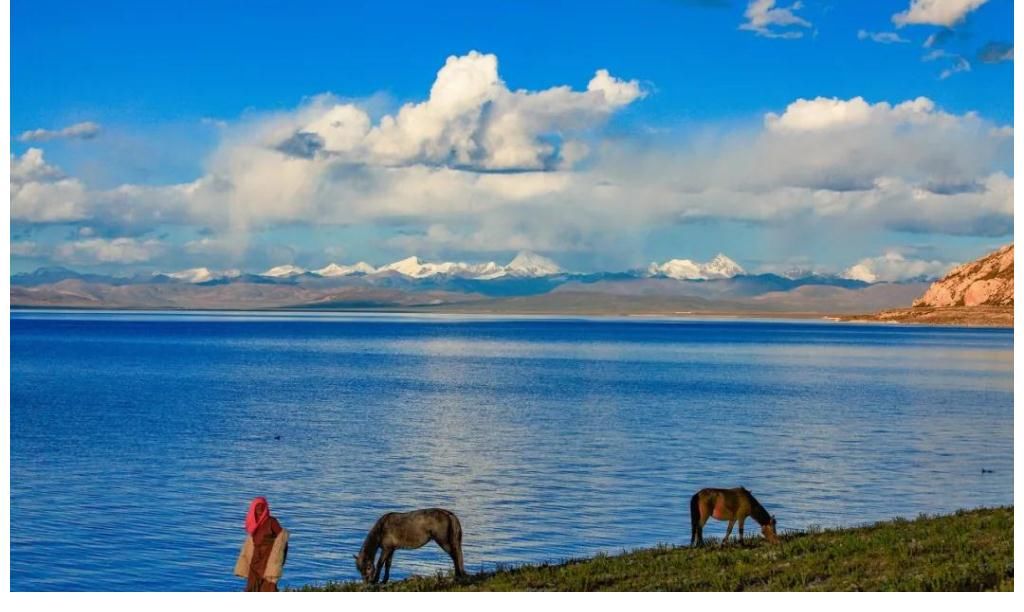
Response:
column 455, row 541
column 694, row 517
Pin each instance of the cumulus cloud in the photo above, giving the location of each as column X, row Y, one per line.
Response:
column 885, row 38
column 765, row 19
column 477, row 166
column 936, row 12
column 471, row 120
column 995, row 52
column 101, row 250
column 893, row 266
column 82, row 131
column 41, row 193
column 834, row 114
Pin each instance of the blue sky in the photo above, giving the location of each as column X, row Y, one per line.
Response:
column 194, row 112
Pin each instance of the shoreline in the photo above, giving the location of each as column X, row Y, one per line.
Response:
column 969, row 550
column 893, row 317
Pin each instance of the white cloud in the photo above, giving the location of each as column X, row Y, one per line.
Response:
column 936, row 12
column 83, row 131
column 101, row 250
column 41, row 193
column 478, row 167
column 885, row 38
column 893, row 266
column 832, row 113
column 472, row 120
column 764, row 19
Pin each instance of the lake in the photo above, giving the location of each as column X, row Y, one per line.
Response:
column 138, row 439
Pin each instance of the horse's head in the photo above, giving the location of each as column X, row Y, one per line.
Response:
column 364, row 567
column 768, row 530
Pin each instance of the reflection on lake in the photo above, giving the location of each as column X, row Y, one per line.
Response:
column 137, row 440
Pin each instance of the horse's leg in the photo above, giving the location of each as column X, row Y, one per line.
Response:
column 387, row 565
column 728, row 531
column 742, row 518
column 702, row 519
column 454, row 552
column 380, row 564
column 460, row 568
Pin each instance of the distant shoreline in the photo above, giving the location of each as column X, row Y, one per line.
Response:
column 989, row 318
column 960, row 316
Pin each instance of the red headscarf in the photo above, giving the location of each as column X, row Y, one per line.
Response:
column 259, row 512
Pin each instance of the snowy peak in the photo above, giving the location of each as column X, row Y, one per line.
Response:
column 410, row 266
column 681, row 269
column 202, row 275
column 284, row 271
column 527, row 264
column 685, row 269
column 333, row 269
column 722, row 267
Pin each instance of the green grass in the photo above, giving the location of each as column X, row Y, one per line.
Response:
column 967, row 551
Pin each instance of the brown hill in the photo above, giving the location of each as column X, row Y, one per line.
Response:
column 976, row 293
column 985, row 282
column 80, row 294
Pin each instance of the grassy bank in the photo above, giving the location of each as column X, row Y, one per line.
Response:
column 966, row 316
column 970, row 550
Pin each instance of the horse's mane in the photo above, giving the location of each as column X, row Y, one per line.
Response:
column 757, row 511
column 372, row 541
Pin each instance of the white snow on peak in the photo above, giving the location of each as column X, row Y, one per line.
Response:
column 722, row 267
column 524, row 265
column 202, row 275
column 685, row 269
column 413, row 267
column 682, row 269
column 532, row 265
column 333, row 269
column 410, row 266
column 284, row 271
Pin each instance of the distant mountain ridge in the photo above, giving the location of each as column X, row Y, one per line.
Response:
column 529, row 280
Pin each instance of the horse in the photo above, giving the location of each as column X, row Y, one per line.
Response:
column 728, row 505
column 409, row 530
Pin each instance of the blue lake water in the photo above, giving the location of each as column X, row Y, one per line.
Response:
column 137, row 440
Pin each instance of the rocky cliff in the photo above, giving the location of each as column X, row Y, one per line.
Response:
column 976, row 293
column 985, row 282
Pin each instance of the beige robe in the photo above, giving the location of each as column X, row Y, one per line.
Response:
column 275, row 564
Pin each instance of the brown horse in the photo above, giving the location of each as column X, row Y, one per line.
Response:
column 728, row 505
column 409, row 530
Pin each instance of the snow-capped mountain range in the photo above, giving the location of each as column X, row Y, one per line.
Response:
column 525, row 265
column 685, row 269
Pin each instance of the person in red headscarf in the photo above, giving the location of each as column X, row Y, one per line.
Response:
column 265, row 550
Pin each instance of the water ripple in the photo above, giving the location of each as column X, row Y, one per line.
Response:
column 137, row 440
